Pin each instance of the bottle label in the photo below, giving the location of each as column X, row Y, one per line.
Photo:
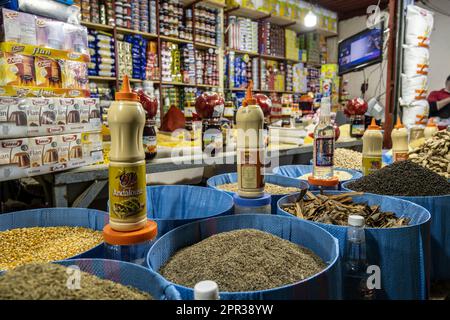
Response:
column 213, row 138
column 149, row 144
column 358, row 129
column 324, row 152
column 371, row 164
column 251, row 174
column 400, row 156
column 127, row 192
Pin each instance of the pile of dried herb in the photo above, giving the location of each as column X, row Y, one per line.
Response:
column 404, row 178
column 269, row 188
column 335, row 209
column 52, row 282
column 242, row 260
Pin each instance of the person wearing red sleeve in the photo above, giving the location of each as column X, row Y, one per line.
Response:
column 440, row 102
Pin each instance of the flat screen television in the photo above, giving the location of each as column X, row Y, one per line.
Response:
column 361, row 50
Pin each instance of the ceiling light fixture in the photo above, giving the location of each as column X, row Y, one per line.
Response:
column 310, row 19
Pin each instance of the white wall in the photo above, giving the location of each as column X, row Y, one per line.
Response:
column 440, row 47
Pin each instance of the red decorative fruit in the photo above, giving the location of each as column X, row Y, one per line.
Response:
column 356, row 106
column 263, row 101
column 209, row 105
column 150, row 104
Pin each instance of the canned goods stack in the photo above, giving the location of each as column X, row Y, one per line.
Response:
column 152, row 67
column 144, row 16
column 207, row 71
column 134, row 15
column 313, row 79
column 94, row 11
column 138, row 54
column 205, row 29
column 85, row 10
column 188, row 63
column 239, row 69
column 243, row 34
column 170, row 17
column 153, row 15
column 170, row 62
column 289, row 77
column 272, row 75
column 101, row 47
column 271, row 39
column 125, row 58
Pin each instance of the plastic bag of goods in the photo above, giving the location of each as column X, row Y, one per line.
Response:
column 416, row 113
column 416, row 61
column 414, row 89
column 321, row 285
column 419, row 25
column 402, row 253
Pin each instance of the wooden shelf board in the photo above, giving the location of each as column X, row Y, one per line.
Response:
column 97, row 26
column 175, row 40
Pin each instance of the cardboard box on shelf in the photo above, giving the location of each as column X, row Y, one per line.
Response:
column 13, row 118
column 17, row 27
column 14, row 159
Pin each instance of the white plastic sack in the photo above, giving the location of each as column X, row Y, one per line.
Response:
column 419, row 25
column 416, row 61
column 414, row 89
column 416, row 113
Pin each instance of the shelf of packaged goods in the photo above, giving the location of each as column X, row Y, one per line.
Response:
column 246, row 12
column 174, row 83
column 269, row 57
column 97, row 26
column 98, row 78
column 207, row 86
column 175, row 40
column 146, row 35
column 212, row 3
column 281, row 21
column 295, row 61
column 249, row 53
column 201, row 45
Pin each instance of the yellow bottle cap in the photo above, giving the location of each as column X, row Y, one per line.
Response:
column 125, row 93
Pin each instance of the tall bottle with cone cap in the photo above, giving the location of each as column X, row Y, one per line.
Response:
column 372, row 149
column 250, row 144
column 127, row 193
column 399, row 138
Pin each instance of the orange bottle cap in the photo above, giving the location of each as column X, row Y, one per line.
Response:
column 431, row 124
column 125, row 93
column 373, row 125
column 249, row 99
column 120, row 238
column 332, row 182
column 399, row 124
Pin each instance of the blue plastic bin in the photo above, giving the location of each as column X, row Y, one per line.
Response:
column 226, row 178
column 128, row 274
column 54, row 217
column 439, row 208
column 320, row 286
column 403, row 254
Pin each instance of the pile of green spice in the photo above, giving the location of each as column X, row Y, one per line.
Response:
column 54, row 282
column 242, row 260
column 404, row 178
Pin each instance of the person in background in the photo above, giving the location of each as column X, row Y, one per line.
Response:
column 440, row 102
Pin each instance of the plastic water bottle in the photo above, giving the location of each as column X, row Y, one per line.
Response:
column 355, row 278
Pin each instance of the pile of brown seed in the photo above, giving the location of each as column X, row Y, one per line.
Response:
column 44, row 244
column 242, row 260
column 269, row 188
column 53, row 282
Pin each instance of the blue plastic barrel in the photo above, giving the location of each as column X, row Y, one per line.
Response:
column 127, row 274
column 403, row 254
column 296, row 171
column 173, row 206
column 439, row 208
column 226, row 178
column 320, row 286
column 56, row 217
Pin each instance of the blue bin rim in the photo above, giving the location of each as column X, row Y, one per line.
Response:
column 351, row 171
column 71, row 209
column 231, row 205
column 403, row 197
column 263, row 216
column 210, row 185
column 428, row 219
column 167, row 286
